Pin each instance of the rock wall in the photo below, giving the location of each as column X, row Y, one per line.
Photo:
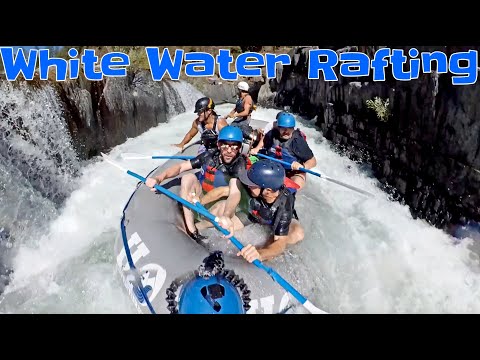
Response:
column 426, row 153
column 102, row 114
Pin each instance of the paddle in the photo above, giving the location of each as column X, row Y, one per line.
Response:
column 201, row 210
column 275, row 276
column 135, row 156
column 198, row 142
column 319, row 175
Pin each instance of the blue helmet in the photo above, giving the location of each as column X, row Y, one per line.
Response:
column 213, row 295
column 264, row 174
column 286, row 120
column 230, row 133
column 281, row 113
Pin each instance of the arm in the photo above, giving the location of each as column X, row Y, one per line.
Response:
column 310, row 163
column 169, row 173
column 277, row 247
column 175, row 170
column 214, row 195
column 221, row 123
column 189, row 135
column 304, row 154
column 259, row 146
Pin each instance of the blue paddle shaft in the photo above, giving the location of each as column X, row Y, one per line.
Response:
column 319, row 175
column 201, row 210
column 173, row 157
column 289, row 164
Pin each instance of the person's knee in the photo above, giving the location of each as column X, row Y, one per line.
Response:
column 298, row 233
column 299, row 180
column 187, row 182
column 301, row 233
column 188, row 179
column 218, row 208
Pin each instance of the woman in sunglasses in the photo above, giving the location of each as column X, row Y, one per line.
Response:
column 207, row 123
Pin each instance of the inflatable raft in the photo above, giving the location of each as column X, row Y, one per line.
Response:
column 155, row 250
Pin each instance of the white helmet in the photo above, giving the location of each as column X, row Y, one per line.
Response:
column 242, row 85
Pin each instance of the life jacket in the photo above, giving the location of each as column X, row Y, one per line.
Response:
column 215, row 174
column 283, row 150
column 249, row 162
column 239, row 108
column 291, row 185
column 202, row 128
column 265, row 215
column 209, row 137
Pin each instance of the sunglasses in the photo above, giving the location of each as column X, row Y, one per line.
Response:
column 233, row 147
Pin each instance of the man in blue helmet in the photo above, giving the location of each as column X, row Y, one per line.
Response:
column 288, row 144
column 207, row 123
column 265, row 199
column 217, row 168
column 273, row 124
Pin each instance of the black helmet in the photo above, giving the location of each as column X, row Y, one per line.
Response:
column 203, row 104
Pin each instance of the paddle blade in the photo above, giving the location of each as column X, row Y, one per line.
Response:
column 312, row 308
column 110, row 161
column 134, row 156
column 349, row 186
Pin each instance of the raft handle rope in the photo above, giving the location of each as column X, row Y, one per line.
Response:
column 212, row 265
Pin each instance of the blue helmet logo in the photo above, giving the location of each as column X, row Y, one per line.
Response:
column 213, row 295
column 286, row 120
column 230, row 133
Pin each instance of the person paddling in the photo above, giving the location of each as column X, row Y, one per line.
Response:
column 207, row 123
column 288, row 144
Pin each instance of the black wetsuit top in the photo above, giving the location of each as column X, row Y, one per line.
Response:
column 294, row 149
column 278, row 215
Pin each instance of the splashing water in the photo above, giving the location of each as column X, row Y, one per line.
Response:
column 366, row 255
column 37, row 160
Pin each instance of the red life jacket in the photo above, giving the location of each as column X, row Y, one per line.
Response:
column 249, row 162
column 208, row 181
column 209, row 178
column 289, row 183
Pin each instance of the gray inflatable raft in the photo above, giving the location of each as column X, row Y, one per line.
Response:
column 154, row 249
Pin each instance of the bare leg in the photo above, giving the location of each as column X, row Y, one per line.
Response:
column 299, row 179
column 189, row 184
column 295, row 232
column 217, row 210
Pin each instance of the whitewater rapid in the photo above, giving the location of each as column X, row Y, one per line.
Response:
column 370, row 255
